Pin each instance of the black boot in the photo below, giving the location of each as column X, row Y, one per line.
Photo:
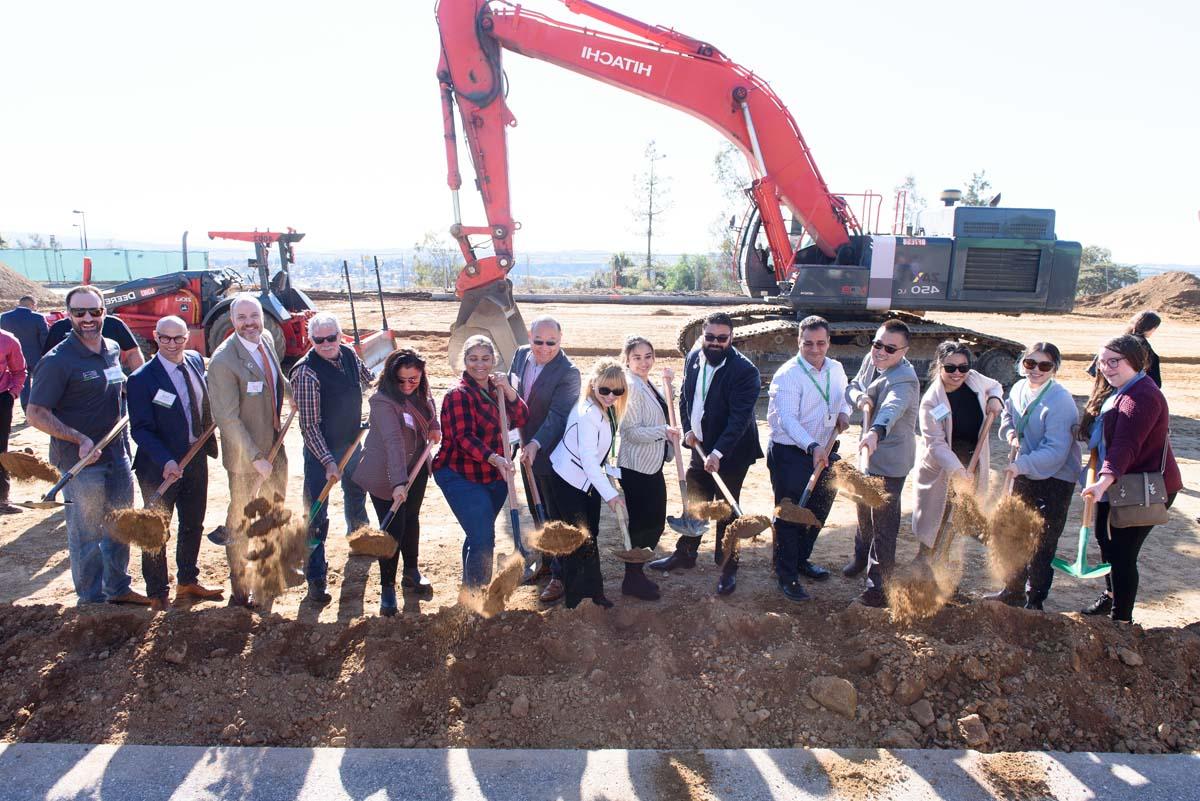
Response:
column 854, row 566
column 683, row 558
column 1007, row 597
column 637, row 585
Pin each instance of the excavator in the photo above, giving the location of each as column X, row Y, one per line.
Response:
column 801, row 248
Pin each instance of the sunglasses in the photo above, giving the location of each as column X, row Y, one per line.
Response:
column 412, row 382
column 722, row 338
column 888, row 348
column 323, row 340
column 1111, row 363
column 545, row 343
column 1034, row 364
column 616, row 393
column 166, row 340
column 957, row 368
column 96, row 312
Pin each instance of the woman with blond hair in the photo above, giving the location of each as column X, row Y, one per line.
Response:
column 580, row 480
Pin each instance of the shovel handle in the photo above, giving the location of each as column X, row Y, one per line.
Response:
column 412, row 476
column 623, row 523
column 328, row 488
column 812, row 480
column 1089, row 506
column 984, row 430
column 864, row 459
column 258, row 482
column 1013, row 452
column 678, row 449
column 87, row 460
column 720, row 482
column 184, row 462
column 509, row 478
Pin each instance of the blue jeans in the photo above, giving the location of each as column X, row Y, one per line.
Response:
column 99, row 564
column 354, row 501
column 475, row 506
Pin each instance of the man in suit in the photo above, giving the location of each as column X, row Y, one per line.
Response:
column 716, row 404
column 30, row 328
column 169, row 410
column 549, row 383
column 247, row 389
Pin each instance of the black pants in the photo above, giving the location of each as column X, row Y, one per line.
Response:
column 791, row 468
column 405, row 528
column 581, row 569
column 1051, row 497
column 1120, row 547
column 6, row 411
column 879, row 527
column 188, row 497
column 646, row 499
column 544, row 490
column 701, row 487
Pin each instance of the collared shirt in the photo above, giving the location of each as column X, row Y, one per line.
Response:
column 256, row 355
column 186, row 387
column 798, row 413
column 12, row 364
column 471, row 431
column 84, row 390
column 306, row 390
column 532, row 371
column 703, row 384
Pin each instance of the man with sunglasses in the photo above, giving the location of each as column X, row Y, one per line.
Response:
column 887, row 386
column 716, row 406
column 77, row 397
column 548, row 382
column 328, row 384
column 169, row 409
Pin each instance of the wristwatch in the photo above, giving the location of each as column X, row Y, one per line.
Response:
column 812, row 448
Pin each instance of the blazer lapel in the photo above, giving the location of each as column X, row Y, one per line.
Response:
column 165, row 382
column 247, row 359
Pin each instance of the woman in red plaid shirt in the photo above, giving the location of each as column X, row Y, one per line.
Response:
column 470, row 467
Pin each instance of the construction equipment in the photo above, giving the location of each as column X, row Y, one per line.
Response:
column 982, row 259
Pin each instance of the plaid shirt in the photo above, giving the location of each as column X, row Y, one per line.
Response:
column 471, row 431
column 306, row 389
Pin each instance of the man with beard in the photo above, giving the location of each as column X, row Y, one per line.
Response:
column 77, row 398
column 716, row 404
column 247, row 391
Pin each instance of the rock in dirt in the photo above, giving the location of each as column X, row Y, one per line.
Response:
column 973, row 669
column 897, row 737
column 520, row 706
column 176, row 654
column 973, row 732
column 1131, row 658
column 922, row 713
column 908, row 690
column 835, row 694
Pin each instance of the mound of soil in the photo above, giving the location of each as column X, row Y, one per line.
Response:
column 13, row 285
column 983, row 674
column 1175, row 294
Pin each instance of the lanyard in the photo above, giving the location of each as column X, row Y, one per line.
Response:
column 612, row 424
column 705, row 378
column 1023, row 419
column 824, row 393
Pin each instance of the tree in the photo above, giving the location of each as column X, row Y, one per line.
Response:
column 1098, row 273
column 914, row 203
column 433, row 261
column 978, row 187
column 650, row 191
column 621, row 269
column 3, row 242
column 34, row 242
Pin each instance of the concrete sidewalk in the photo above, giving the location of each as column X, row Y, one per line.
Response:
column 30, row 771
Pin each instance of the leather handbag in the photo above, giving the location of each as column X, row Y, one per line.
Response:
column 1139, row 499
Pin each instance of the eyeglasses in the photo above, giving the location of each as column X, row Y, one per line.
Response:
column 957, row 368
column 545, row 343
column 888, row 348
column 166, row 340
column 323, row 340
column 1034, row 364
column 616, row 393
column 1111, row 363
column 412, row 382
column 94, row 312
column 722, row 338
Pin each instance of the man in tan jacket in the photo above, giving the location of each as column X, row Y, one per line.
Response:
column 247, row 390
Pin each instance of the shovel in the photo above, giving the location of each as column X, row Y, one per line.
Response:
column 631, row 555
column 1079, row 568
column 220, row 534
column 509, row 477
column 945, row 537
column 864, row 458
column 686, row 525
column 759, row 523
column 412, row 476
column 48, row 501
column 800, row 514
column 539, row 509
column 187, row 458
column 328, row 488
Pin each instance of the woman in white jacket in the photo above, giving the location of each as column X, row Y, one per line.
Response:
column 952, row 413
column 580, row 479
column 646, row 438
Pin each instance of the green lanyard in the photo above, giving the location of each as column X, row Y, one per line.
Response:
column 612, row 424
column 1023, row 419
column 705, row 378
column 823, row 392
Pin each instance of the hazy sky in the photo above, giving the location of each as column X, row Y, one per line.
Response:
column 159, row 117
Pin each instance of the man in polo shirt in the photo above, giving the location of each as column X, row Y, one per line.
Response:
column 76, row 398
column 328, row 384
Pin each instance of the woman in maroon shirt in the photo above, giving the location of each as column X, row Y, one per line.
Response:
column 1128, row 420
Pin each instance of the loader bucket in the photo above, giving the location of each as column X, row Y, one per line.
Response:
column 1079, row 568
column 506, row 328
column 374, row 348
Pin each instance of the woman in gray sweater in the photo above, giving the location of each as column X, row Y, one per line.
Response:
column 1040, row 416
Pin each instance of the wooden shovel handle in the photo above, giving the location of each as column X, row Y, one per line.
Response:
column 184, row 462
column 99, row 446
column 1089, row 506
column 1013, row 452
column 678, row 449
column 258, row 483
column 412, row 476
column 502, row 404
column 864, row 459
column 984, row 430
column 328, row 488
column 720, row 482
column 812, row 480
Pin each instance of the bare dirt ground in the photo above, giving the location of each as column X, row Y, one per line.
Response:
column 689, row 671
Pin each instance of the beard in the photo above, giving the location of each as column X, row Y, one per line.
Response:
column 715, row 355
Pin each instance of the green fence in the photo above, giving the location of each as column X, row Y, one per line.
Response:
column 108, row 266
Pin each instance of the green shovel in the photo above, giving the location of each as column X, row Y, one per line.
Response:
column 1079, row 568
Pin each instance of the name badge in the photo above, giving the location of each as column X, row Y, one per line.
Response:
column 941, row 412
column 254, row 387
column 408, row 420
column 164, row 399
column 114, row 374
column 612, row 471
column 514, row 437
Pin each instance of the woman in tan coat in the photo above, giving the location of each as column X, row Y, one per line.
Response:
column 952, row 412
column 403, row 421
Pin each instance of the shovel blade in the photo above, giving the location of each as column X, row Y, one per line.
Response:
column 42, row 504
column 687, row 526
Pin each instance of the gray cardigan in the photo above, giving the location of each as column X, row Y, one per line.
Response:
column 1049, row 447
column 895, row 396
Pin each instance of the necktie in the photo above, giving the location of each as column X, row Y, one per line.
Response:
column 270, row 382
column 192, row 406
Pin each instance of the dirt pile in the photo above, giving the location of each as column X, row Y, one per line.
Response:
column 1175, row 294
column 1007, row 679
column 13, row 285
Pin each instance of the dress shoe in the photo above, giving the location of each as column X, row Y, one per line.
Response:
column 387, row 601
column 197, row 591
column 553, row 593
column 1101, row 606
column 131, row 597
column 1007, row 597
column 794, row 591
column 602, row 602
column 7, row 508
column 413, row 580
column 727, row 584
column 637, row 585
column 873, row 598
column 672, row 562
column 219, row 536
column 1032, row 604
column 317, row 595
column 244, row 601
column 814, row 572
column 158, row 604
column 854, row 567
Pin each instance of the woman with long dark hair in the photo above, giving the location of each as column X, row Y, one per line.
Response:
column 1128, row 423
column 403, row 421
column 1041, row 420
column 1142, row 327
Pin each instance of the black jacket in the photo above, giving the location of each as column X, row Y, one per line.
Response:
column 729, row 424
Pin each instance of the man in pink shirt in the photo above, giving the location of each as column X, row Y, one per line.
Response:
column 12, row 379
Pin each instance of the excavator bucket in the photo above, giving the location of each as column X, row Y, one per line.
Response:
column 374, row 348
column 492, row 312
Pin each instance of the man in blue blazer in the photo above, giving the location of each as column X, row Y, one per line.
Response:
column 716, row 405
column 30, row 328
column 168, row 411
